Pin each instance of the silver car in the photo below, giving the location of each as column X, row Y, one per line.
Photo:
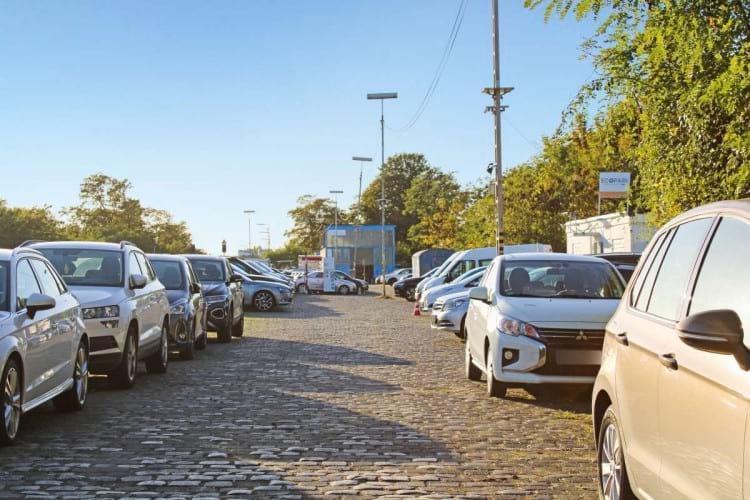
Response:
column 125, row 307
column 263, row 296
column 449, row 313
column 44, row 350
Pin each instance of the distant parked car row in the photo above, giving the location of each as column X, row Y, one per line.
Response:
column 68, row 309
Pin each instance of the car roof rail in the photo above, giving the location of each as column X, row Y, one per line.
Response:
column 123, row 243
column 30, row 242
column 22, row 249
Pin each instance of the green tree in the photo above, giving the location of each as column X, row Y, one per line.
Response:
column 286, row 255
column 436, row 200
column 310, row 217
column 20, row 224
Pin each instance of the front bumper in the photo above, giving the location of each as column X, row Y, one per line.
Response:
column 449, row 321
column 106, row 343
column 179, row 333
column 521, row 360
column 217, row 314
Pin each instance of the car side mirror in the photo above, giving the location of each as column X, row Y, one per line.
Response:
column 137, row 281
column 235, row 278
column 38, row 302
column 479, row 293
column 195, row 288
column 719, row 331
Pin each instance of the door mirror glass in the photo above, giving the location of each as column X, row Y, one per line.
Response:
column 235, row 278
column 717, row 330
column 38, row 302
column 479, row 293
column 137, row 281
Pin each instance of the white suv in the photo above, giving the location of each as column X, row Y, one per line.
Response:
column 125, row 307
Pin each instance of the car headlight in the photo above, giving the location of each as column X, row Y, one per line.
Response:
column 453, row 304
column 516, row 328
column 178, row 308
column 213, row 299
column 101, row 312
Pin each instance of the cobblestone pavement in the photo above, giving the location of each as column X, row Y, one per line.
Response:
column 333, row 396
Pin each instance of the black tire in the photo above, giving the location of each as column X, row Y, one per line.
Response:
column 263, row 301
column 461, row 333
column 391, row 281
column 188, row 350
column 610, row 425
column 495, row 389
column 471, row 370
column 343, row 290
column 158, row 361
column 302, row 288
column 74, row 399
column 239, row 329
column 409, row 293
column 11, row 392
column 123, row 377
column 224, row 335
column 201, row 342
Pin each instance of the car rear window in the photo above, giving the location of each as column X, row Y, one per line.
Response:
column 208, row 270
column 170, row 273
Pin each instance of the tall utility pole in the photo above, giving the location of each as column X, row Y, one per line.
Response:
column 361, row 160
column 249, row 229
column 335, row 193
column 382, row 96
column 267, row 232
column 497, row 92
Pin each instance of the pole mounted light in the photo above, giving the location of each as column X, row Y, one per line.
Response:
column 335, row 193
column 382, row 96
column 249, row 229
column 361, row 160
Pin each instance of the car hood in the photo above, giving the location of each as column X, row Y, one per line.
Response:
column 214, row 288
column 176, row 296
column 451, row 296
column 574, row 313
column 409, row 281
column 431, row 282
column 94, row 296
column 441, row 290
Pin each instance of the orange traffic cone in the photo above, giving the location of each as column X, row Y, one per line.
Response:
column 416, row 309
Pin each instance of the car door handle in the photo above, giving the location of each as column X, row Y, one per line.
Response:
column 621, row 337
column 668, row 360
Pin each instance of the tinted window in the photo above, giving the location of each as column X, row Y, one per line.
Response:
column 645, row 280
column 563, row 279
column 208, row 270
column 191, row 274
column 675, row 269
column 46, row 278
column 170, row 274
column 26, row 283
column 4, row 286
column 460, row 268
column 87, row 267
column 724, row 279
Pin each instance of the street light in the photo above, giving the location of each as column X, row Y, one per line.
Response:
column 249, row 230
column 267, row 232
column 361, row 160
column 335, row 193
column 382, row 96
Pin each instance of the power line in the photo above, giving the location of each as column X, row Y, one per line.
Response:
column 439, row 70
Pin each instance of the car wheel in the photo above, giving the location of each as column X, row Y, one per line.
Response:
column 158, row 361
column 75, row 398
column 263, row 301
column 224, row 334
column 188, row 350
column 613, row 476
column 124, row 375
column 472, row 371
column 239, row 329
column 10, row 416
column 495, row 389
column 391, row 282
column 461, row 333
column 343, row 290
column 409, row 293
column 302, row 288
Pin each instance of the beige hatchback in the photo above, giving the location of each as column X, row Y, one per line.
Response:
column 670, row 403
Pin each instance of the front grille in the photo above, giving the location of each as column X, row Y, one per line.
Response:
column 572, row 339
column 102, row 343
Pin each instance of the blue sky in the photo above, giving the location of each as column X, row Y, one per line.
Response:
column 210, row 108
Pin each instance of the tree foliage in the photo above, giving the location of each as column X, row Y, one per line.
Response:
column 20, row 224
column 309, row 218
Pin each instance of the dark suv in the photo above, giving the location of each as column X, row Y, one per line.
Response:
column 222, row 291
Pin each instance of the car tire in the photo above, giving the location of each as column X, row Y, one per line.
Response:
column 343, row 290
column 238, row 330
column 224, row 335
column 188, row 350
column 610, row 456
column 200, row 343
column 158, row 361
column 409, row 293
column 263, row 301
column 302, row 288
column 461, row 333
column 74, row 399
column 123, row 377
column 472, row 371
column 391, row 281
column 11, row 398
column 495, row 389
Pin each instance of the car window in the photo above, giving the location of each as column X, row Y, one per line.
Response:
column 208, row 270
column 724, row 278
column 135, row 267
column 26, row 284
column 4, row 285
column 675, row 269
column 192, row 278
column 460, row 268
column 87, row 267
column 58, row 279
column 145, row 266
column 46, row 278
column 485, row 262
column 489, row 279
column 645, row 281
column 170, row 274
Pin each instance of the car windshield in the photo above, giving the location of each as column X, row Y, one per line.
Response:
column 560, row 279
column 444, row 266
column 468, row 275
column 208, row 270
column 87, row 267
column 170, row 273
column 4, row 285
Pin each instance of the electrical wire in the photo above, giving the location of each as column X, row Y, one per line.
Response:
column 438, row 71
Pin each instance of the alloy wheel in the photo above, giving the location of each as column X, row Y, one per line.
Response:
column 81, row 375
column 610, row 463
column 132, row 358
column 12, row 402
column 263, row 301
column 164, row 346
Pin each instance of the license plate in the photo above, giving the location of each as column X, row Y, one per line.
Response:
column 578, row 357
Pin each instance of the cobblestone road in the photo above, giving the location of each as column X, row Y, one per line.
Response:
column 334, row 396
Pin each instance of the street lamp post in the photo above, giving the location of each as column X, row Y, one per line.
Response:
column 267, row 232
column 361, row 160
column 335, row 193
column 382, row 97
column 249, row 230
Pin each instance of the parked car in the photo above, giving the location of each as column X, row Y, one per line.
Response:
column 438, row 271
column 539, row 319
column 449, row 313
column 362, row 285
column 315, row 283
column 458, row 264
column 264, row 296
column 36, row 307
column 222, row 291
column 257, row 273
column 260, row 267
column 625, row 262
column 670, row 402
column 406, row 287
column 394, row 276
column 469, row 279
column 125, row 307
column 187, row 308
